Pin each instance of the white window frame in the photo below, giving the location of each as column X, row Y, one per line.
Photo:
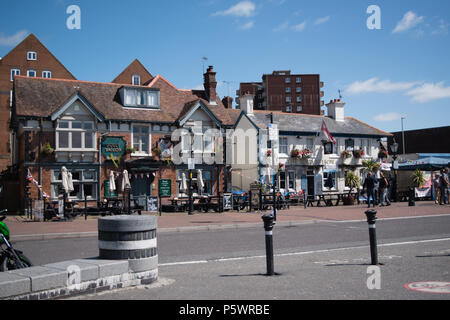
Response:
column 299, row 99
column 46, row 74
column 325, row 179
column 29, row 71
column 140, row 153
column 138, row 77
column 14, row 72
column 288, row 99
column 31, row 56
column 287, row 80
column 81, row 182
column 288, row 89
column 70, row 130
column 288, row 109
column 281, row 145
column 298, row 89
column 298, row 80
column 299, row 108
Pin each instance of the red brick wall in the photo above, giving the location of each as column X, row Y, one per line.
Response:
column 17, row 59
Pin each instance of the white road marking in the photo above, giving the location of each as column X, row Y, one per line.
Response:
column 300, row 253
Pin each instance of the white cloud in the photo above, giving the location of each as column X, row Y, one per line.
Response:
column 242, row 9
column 300, row 27
column 379, row 86
column 429, row 92
column 247, row 25
column 442, row 29
column 281, row 27
column 322, row 20
column 409, row 20
column 14, row 39
column 386, row 117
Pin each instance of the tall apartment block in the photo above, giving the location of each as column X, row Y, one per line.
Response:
column 286, row 92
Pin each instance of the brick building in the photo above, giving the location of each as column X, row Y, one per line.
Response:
column 135, row 74
column 286, row 92
column 29, row 58
column 94, row 129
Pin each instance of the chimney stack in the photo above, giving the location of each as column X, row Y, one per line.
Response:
column 210, row 85
column 336, row 109
column 228, row 102
column 246, row 102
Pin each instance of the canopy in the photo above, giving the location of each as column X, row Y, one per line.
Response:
column 428, row 164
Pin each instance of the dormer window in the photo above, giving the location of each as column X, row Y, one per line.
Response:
column 140, row 98
column 31, row 56
column 136, row 80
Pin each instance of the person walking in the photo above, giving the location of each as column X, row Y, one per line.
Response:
column 444, row 185
column 384, row 184
column 437, row 189
column 369, row 186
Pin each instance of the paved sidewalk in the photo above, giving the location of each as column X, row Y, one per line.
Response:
column 24, row 229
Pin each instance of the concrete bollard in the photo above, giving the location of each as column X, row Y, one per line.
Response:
column 131, row 238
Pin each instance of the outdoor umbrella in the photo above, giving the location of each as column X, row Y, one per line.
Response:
column 125, row 181
column 200, row 182
column 183, row 187
column 67, row 186
column 112, row 183
column 69, row 182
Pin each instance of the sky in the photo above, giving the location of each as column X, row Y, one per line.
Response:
column 389, row 59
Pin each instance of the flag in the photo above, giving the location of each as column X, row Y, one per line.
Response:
column 327, row 133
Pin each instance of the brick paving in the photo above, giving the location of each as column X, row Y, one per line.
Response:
column 21, row 226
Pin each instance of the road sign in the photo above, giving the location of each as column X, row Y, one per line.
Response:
column 165, row 188
column 191, row 163
column 273, row 132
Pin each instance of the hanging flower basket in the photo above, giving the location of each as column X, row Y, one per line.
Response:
column 281, row 167
column 47, row 149
column 269, row 153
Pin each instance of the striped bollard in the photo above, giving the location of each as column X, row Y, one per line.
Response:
column 131, row 238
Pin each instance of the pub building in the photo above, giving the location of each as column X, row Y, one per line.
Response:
column 98, row 129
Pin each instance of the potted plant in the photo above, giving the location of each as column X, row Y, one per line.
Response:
column 346, row 154
column 418, row 178
column 359, row 153
column 352, row 181
column 296, row 153
column 47, row 149
column 306, row 154
column 370, row 165
column 129, row 150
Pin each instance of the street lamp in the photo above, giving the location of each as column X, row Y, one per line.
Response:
column 394, row 149
column 403, row 136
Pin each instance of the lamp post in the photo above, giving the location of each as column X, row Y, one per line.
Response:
column 394, row 149
column 403, row 136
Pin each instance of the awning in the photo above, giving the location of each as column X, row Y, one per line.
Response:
column 428, row 164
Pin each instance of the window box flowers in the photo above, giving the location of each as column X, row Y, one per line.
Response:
column 47, row 149
column 347, row 154
column 359, row 153
column 304, row 154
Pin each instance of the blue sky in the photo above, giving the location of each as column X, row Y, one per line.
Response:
column 399, row 70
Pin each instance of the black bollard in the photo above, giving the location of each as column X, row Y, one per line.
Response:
column 268, row 227
column 371, row 219
column 412, row 197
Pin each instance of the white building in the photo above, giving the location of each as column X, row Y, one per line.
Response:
column 298, row 133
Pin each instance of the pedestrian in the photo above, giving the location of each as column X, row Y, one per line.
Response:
column 437, row 189
column 389, row 189
column 384, row 185
column 376, row 189
column 369, row 186
column 443, row 185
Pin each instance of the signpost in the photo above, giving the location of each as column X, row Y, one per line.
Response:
column 152, row 204
column 164, row 191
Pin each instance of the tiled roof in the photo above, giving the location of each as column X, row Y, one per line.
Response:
column 292, row 122
column 38, row 97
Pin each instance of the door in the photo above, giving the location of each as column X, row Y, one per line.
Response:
column 310, row 186
column 141, row 186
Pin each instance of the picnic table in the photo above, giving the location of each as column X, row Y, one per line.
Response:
column 338, row 197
